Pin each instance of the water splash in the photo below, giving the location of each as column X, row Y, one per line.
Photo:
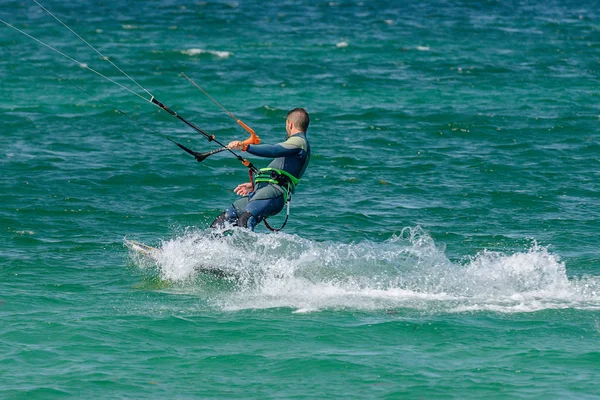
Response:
column 407, row 271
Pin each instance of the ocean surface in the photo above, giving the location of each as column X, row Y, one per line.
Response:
column 443, row 243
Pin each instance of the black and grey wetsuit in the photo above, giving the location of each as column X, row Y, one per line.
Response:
column 272, row 184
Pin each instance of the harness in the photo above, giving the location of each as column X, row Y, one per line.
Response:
column 283, row 179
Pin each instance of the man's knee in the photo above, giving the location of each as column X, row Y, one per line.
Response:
column 247, row 220
column 229, row 216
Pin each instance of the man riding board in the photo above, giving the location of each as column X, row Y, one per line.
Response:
column 272, row 186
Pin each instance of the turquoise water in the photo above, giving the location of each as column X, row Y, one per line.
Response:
column 442, row 244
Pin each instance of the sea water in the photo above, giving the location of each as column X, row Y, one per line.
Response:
column 443, row 242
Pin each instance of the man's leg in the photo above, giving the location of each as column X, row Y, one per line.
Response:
column 249, row 211
column 230, row 216
column 257, row 210
column 226, row 217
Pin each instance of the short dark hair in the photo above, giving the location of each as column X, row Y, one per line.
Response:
column 300, row 118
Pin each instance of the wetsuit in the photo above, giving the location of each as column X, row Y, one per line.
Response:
column 269, row 194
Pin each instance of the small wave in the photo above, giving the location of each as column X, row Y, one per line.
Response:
column 423, row 48
column 341, row 44
column 195, row 52
column 407, row 271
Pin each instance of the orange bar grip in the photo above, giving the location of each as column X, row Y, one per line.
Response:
column 253, row 139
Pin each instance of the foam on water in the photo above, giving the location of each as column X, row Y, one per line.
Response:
column 407, row 271
column 195, row 52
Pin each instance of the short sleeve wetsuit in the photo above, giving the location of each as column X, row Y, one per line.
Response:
column 268, row 198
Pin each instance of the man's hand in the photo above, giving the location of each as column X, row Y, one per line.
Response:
column 235, row 145
column 243, row 189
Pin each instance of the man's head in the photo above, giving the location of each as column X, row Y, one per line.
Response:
column 297, row 121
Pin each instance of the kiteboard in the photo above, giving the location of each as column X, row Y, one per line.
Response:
column 139, row 248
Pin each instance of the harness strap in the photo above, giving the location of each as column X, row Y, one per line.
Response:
column 291, row 177
column 279, row 177
column 251, row 175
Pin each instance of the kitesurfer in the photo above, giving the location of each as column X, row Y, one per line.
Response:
column 272, row 186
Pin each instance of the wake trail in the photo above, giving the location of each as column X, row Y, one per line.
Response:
column 407, row 271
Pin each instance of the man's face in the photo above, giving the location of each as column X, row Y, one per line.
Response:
column 288, row 127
